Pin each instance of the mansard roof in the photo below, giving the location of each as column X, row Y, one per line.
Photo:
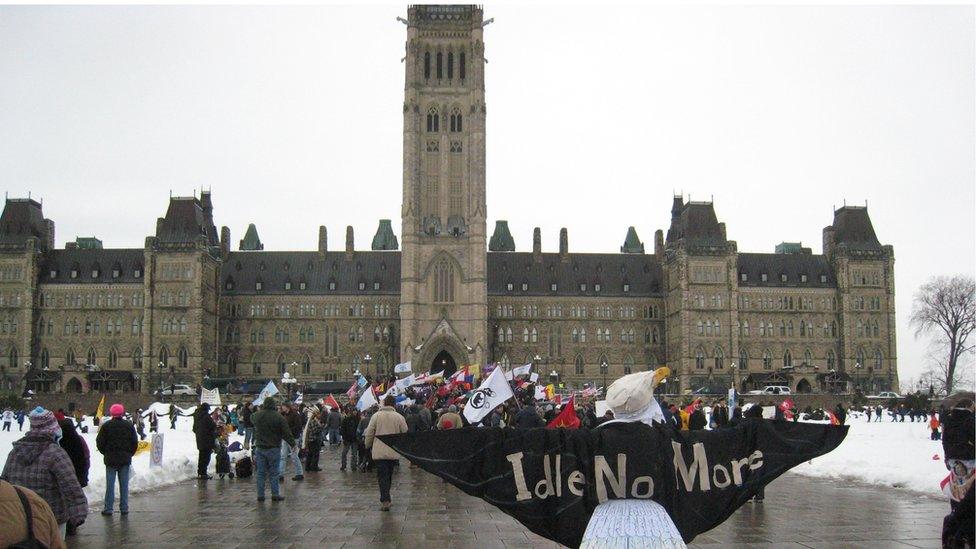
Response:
column 22, row 218
column 241, row 272
column 186, row 219
column 87, row 260
column 696, row 224
column 643, row 274
column 852, row 227
column 754, row 265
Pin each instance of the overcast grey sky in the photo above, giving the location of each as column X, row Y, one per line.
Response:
column 596, row 115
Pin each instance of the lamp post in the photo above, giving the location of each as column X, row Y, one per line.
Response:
column 159, row 380
column 603, row 370
column 857, row 377
column 732, row 369
column 366, row 360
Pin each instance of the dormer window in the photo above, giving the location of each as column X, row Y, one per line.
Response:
column 510, row 286
column 803, row 278
column 74, row 273
column 823, row 279
column 782, row 278
column 626, row 287
column 54, row 274
column 94, row 273
column 362, row 286
column 229, row 285
column 553, row 287
column 596, row 287
column 301, row 285
column 258, row 285
column 376, row 285
column 332, row 285
column 525, row 286
column 583, row 287
column 287, row 285
column 764, row 278
column 116, row 273
column 743, row 277
column 137, row 273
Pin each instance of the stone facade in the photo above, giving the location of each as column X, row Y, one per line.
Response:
column 185, row 306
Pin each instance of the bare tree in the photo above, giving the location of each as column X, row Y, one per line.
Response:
column 947, row 306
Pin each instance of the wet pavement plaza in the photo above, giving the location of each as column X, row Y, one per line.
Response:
column 341, row 509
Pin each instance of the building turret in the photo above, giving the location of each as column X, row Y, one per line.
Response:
column 251, row 240
column 632, row 244
column 501, row 239
column 384, row 239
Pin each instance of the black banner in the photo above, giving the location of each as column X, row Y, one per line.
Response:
column 550, row 480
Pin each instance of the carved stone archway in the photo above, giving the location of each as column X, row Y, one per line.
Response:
column 442, row 339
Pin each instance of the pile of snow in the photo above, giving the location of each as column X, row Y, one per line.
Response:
column 179, row 455
column 884, row 453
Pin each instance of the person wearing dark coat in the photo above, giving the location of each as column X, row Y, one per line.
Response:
column 720, row 415
column 697, row 422
column 958, row 426
column 77, row 450
column 736, row 415
column 841, row 414
column 528, row 417
column 779, row 414
column 117, row 441
column 349, row 427
column 413, row 419
column 755, row 412
column 205, row 430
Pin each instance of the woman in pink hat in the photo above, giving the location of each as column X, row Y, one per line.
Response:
column 117, row 441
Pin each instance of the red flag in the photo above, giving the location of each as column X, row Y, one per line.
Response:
column 833, row 418
column 351, row 393
column 787, row 407
column 332, row 402
column 567, row 418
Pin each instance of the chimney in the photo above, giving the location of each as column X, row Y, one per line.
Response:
column 537, row 242
column 659, row 243
column 323, row 239
column 50, row 233
column 350, row 241
column 563, row 244
column 224, row 241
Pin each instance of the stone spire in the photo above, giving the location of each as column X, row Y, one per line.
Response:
column 501, row 239
column 632, row 244
column 251, row 240
column 384, row 239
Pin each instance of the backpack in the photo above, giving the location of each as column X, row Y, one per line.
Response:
column 243, row 467
column 31, row 542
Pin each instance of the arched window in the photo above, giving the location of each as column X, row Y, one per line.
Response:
column 356, row 362
column 743, row 359
column 45, row 359
column 874, row 328
column 461, row 66
column 508, row 335
column 137, row 359
column 525, row 335
column 69, row 358
column 767, row 361
column 501, row 335
column 833, row 328
column 433, row 120
column 575, row 335
column 456, row 121
column 306, row 365
column 745, row 328
column 580, row 369
column 787, row 359
column 628, row 365
column 505, row 361
column 535, row 336
column 231, row 364
column 282, row 367
column 440, row 65
column 113, row 359
column 183, row 357
column 807, row 358
column 427, row 65
column 803, row 329
column 443, row 282
column 878, row 359
column 701, row 328
column 13, row 357
column 719, row 358
column 91, row 358
column 582, row 335
column 860, row 357
column 860, row 328
column 450, row 65
column 831, row 359
column 700, row 359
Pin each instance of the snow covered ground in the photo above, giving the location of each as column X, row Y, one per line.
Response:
column 179, row 456
column 885, row 453
column 889, row 454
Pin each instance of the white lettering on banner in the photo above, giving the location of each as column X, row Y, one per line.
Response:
column 641, row 487
column 603, row 472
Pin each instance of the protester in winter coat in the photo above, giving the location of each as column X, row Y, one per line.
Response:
column 365, row 459
column 350, row 441
column 13, row 518
column 386, row 421
column 334, row 425
column 413, row 419
column 841, row 414
column 77, row 451
column 173, row 414
column 271, row 430
column 294, row 420
column 205, row 430
column 140, row 428
column 153, row 421
column 38, row 463
column 696, row 420
column 312, row 441
column 450, row 419
column 528, row 417
column 117, row 441
column 246, row 425
column 934, row 426
column 8, row 418
column 425, row 419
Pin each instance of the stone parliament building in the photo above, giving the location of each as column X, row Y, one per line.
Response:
column 185, row 306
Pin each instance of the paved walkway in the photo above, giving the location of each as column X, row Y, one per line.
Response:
column 341, row 509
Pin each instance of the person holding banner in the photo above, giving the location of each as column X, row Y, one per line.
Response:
column 205, row 430
column 117, row 441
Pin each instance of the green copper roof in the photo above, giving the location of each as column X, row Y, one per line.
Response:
column 384, row 239
column 88, row 243
column 251, row 240
column 501, row 239
column 632, row 244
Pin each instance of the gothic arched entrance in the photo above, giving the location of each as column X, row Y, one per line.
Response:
column 803, row 386
column 73, row 386
column 443, row 361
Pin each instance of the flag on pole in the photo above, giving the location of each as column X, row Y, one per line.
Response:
column 567, row 417
column 787, row 407
column 362, row 381
column 533, row 377
column 299, row 397
column 540, row 392
column 331, row 402
column 367, row 401
column 522, row 370
column 492, row 392
column 353, row 389
column 101, row 408
column 269, row 390
column 402, row 384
